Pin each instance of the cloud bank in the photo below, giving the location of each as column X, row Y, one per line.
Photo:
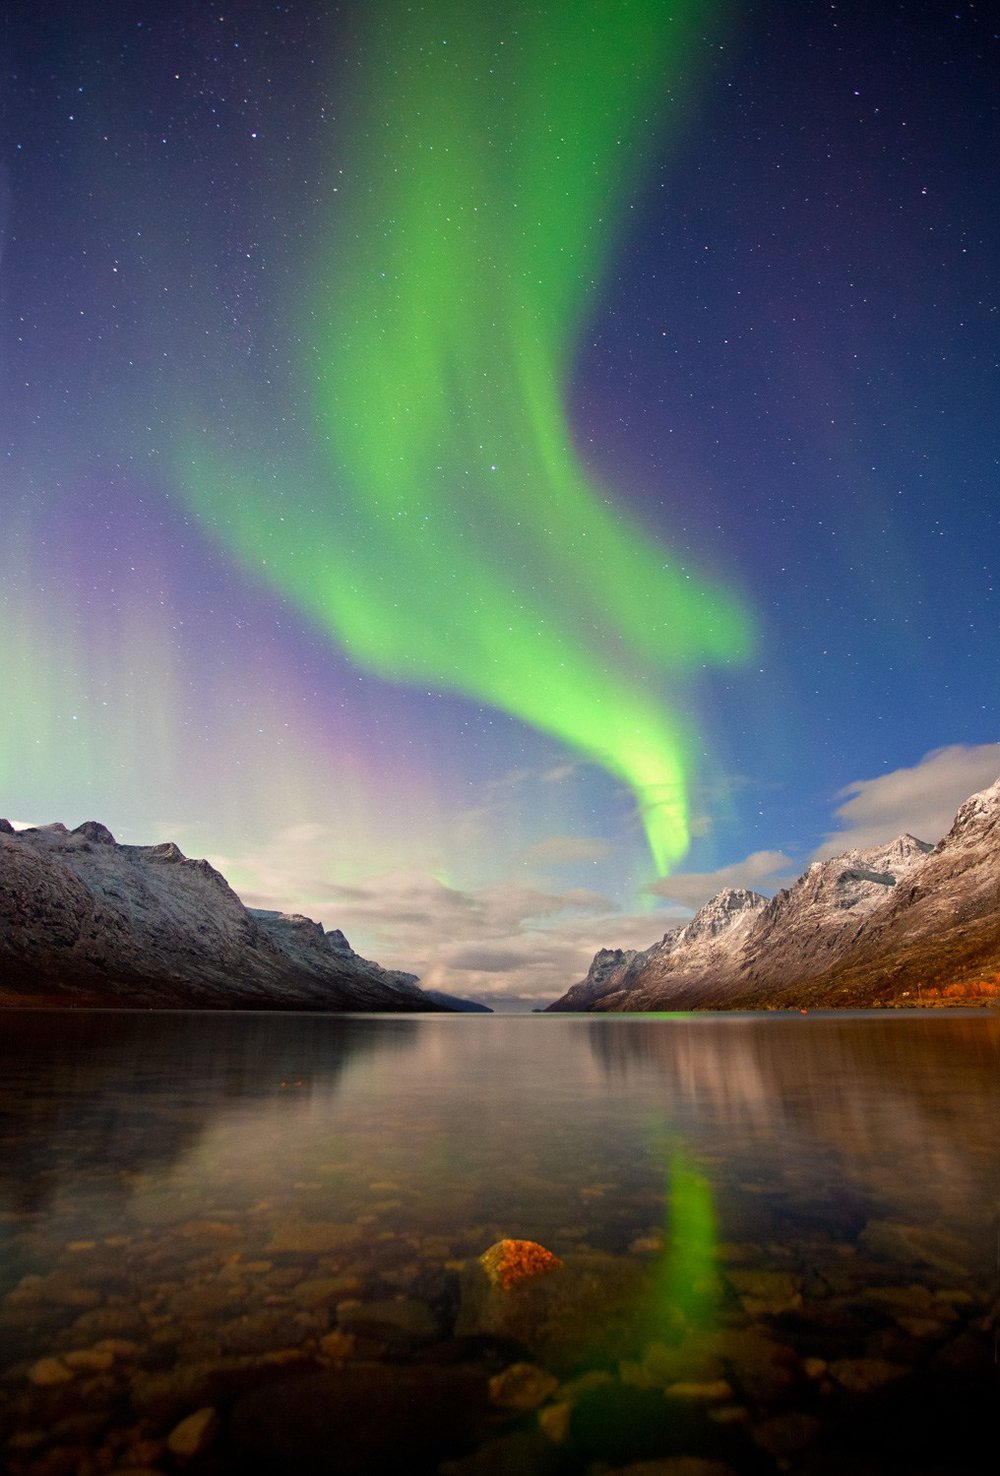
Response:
column 760, row 871
column 921, row 800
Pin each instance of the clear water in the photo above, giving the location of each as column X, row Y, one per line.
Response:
column 780, row 1237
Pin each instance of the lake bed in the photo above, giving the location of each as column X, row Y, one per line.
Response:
column 252, row 1243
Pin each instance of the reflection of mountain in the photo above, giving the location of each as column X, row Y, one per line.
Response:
column 105, row 1095
column 84, row 920
column 867, row 927
column 878, row 1099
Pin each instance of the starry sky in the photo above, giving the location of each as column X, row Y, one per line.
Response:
column 488, row 476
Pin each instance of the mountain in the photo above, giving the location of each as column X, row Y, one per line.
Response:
column 84, row 920
column 460, row 1006
column 872, row 926
column 605, row 976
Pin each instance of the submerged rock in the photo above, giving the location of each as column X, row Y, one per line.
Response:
column 511, row 1262
column 522, row 1386
column 918, row 1245
column 312, row 1237
column 49, row 1371
column 862, row 1375
column 193, row 1435
column 564, row 1313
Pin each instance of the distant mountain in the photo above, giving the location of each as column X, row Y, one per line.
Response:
column 452, row 1002
column 872, row 926
column 84, row 920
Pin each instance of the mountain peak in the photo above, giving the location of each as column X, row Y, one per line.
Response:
column 719, row 914
column 874, row 920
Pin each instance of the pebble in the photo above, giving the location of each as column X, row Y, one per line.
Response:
column 522, row 1386
column 338, row 1345
column 322, row 1291
column 710, row 1392
column 118, row 1347
column 259, row 1332
column 693, row 1361
column 646, row 1245
column 922, row 1327
column 313, row 1237
column 49, row 1371
column 554, row 1421
column 89, row 1360
column 208, row 1230
column 766, row 1292
column 912, row 1300
column 764, row 1369
column 918, row 1245
column 194, row 1435
column 404, row 1315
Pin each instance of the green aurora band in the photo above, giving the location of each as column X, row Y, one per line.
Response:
column 455, row 540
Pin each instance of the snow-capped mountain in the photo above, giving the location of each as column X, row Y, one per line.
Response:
column 83, row 919
column 871, row 924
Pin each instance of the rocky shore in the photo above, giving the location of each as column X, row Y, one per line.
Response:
column 272, row 1344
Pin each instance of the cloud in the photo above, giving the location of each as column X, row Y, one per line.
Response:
column 566, row 850
column 762, row 869
column 505, row 943
column 487, row 960
column 921, row 800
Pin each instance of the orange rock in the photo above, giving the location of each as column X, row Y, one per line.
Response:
column 510, row 1262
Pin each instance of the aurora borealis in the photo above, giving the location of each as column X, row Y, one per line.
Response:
column 451, row 541
column 463, row 463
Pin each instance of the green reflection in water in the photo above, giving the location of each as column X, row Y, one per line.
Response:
column 686, row 1285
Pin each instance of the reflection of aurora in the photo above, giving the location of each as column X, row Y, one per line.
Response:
column 457, row 540
column 687, row 1282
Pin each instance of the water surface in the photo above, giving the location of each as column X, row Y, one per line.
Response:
column 779, row 1236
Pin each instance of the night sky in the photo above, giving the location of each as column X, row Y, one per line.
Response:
column 488, row 475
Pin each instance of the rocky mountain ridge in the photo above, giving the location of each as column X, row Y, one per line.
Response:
column 871, row 926
column 84, row 920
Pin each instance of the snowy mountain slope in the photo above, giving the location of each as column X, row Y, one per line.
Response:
column 941, row 924
column 874, row 922
column 84, row 918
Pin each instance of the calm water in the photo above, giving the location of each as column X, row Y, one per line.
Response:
column 779, row 1234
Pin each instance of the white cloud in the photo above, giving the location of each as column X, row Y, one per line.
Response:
column 503, row 943
column 767, row 870
column 921, row 800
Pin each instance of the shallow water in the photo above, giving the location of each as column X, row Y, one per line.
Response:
column 779, row 1234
